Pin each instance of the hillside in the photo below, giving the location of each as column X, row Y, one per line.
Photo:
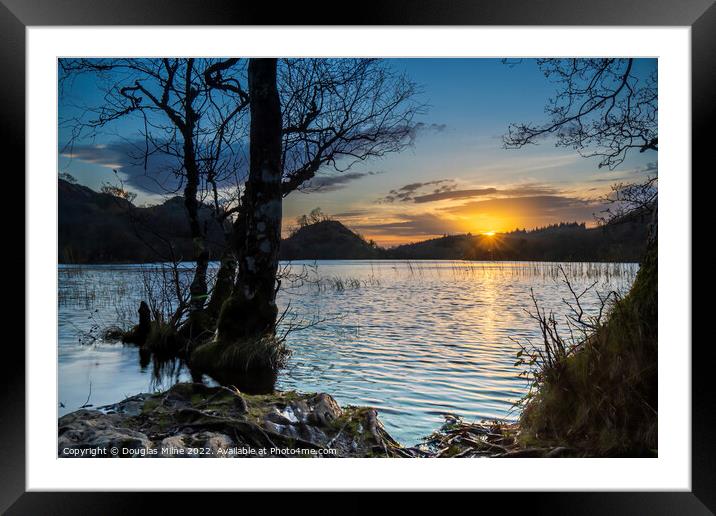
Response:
column 328, row 240
column 101, row 228
column 623, row 241
column 97, row 227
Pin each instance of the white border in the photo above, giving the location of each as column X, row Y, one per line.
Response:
column 670, row 471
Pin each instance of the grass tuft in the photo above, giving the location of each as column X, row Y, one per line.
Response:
column 601, row 395
column 266, row 353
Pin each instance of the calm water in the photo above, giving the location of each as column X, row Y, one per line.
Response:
column 413, row 339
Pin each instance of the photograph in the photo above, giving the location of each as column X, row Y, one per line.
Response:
column 419, row 240
column 357, row 257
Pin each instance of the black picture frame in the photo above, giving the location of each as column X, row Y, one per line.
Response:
column 16, row 15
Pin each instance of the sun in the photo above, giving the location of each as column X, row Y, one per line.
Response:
column 489, row 233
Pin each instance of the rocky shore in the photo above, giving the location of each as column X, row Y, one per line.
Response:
column 194, row 420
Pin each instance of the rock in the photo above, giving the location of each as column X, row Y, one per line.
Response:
column 289, row 431
column 196, row 445
column 218, row 444
column 299, row 410
column 132, row 406
column 325, row 410
column 276, row 417
column 174, row 441
column 99, row 433
column 312, row 434
column 173, row 446
column 195, row 420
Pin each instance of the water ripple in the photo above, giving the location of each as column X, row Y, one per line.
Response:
column 414, row 340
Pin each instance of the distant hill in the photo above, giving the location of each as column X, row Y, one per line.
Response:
column 622, row 241
column 98, row 227
column 328, row 240
column 101, row 228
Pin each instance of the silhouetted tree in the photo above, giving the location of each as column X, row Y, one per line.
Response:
column 251, row 308
column 119, row 192
column 190, row 112
column 603, row 109
column 68, row 177
column 316, row 215
column 333, row 113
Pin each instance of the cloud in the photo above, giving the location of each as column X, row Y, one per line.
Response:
column 128, row 158
column 480, row 192
column 650, row 169
column 421, row 224
column 407, row 192
column 422, row 127
column 454, row 194
column 158, row 175
column 322, row 184
column 353, row 213
column 109, row 156
column 447, row 190
column 532, row 211
column 652, row 166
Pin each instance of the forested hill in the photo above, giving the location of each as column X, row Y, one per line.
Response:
column 99, row 227
column 624, row 242
column 102, row 228
column 328, row 240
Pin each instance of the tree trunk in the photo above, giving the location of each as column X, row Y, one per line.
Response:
column 251, row 310
column 198, row 288
column 225, row 278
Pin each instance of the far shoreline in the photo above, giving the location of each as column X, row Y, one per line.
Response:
column 371, row 260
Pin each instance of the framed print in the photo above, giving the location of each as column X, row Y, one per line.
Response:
column 438, row 248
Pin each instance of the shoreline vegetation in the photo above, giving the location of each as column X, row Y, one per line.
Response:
column 193, row 420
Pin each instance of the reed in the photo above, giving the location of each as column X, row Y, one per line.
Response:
column 598, row 392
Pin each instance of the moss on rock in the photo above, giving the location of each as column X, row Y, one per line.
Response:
column 222, row 421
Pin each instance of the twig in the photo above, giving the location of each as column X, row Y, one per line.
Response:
column 87, row 403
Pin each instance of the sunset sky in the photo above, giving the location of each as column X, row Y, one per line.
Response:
column 456, row 178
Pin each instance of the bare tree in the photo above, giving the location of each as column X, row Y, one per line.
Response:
column 626, row 199
column 337, row 112
column 251, row 309
column 603, row 109
column 333, row 113
column 188, row 110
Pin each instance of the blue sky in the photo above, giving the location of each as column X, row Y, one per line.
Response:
column 472, row 102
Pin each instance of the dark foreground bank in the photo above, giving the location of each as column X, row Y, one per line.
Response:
column 193, row 420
